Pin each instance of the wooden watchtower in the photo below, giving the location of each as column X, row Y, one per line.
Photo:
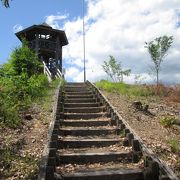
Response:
column 46, row 42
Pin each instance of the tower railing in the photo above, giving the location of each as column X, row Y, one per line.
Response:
column 47, row 72
column 59, row 74
column 55, row 74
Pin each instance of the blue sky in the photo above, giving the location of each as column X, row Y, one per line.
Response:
column 112, row 27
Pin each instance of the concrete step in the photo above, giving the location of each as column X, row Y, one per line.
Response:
column 84, row 110
column 105, row 174
column 86, row 132
column 72, row 105
column 84, row 123
column 103, row 157
column 83, row 115
column 82, row 100
column 84, row 143
column 67, row 96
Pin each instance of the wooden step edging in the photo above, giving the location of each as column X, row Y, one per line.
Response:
column 84, row 109
column 68, row 105
column 46, row 167
column 79, row 123
column 86, row 132
column 130, row 174
column 84, row 158
column 84, row 143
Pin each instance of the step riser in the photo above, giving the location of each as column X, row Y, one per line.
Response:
column 80, row 93
column 84, row 124
column 81, row 105
column 75, row 86
column 78, row 96
column 106, row 176
column 75, row 83
column 80, row 101
column 85, row 144
column 84, row 159
column 83, row 116
column 86, row 132
column 90, row 110
column 76, row 89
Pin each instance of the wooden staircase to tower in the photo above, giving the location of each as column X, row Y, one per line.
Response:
column 89, row 147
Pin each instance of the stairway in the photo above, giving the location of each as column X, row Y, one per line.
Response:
column 89, row 147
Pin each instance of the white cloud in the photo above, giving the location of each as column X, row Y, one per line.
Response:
column 52, row 20
column 120, row 28
column 17, row 28
column 72, row 72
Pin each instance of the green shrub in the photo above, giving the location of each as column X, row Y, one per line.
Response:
column 167, row 121
column 23, row 60
column 21, row 83
column 18, row 93
column 9, row 116
column 175, row 145
column 37, row 86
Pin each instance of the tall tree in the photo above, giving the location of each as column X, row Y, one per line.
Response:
column 22, row 61
column 158, row 51
column 114, row 70
column 5, row 3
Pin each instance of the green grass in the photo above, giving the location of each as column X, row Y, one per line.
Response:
column 122, row 88
column 14, row 163
column 175, row 145
column 167, row 121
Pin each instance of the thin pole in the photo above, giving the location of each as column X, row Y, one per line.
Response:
column 84, row 43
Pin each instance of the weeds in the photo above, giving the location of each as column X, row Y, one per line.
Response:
column 167, row 121
column 175, row 145
column 13, row 163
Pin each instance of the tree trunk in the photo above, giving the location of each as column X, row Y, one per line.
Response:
column 157, row 80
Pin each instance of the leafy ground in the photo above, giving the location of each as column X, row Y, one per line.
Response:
column 157, row 127
column 21, row 148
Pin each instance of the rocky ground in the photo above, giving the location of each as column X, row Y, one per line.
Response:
column 21, row 148
column 148, row 126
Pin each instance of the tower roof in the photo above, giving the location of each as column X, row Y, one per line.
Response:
column 45, row 29
column 45, row 25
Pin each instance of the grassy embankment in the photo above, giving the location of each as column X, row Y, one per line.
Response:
column 17, row 159
column 122, row 88
column 24, row 90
